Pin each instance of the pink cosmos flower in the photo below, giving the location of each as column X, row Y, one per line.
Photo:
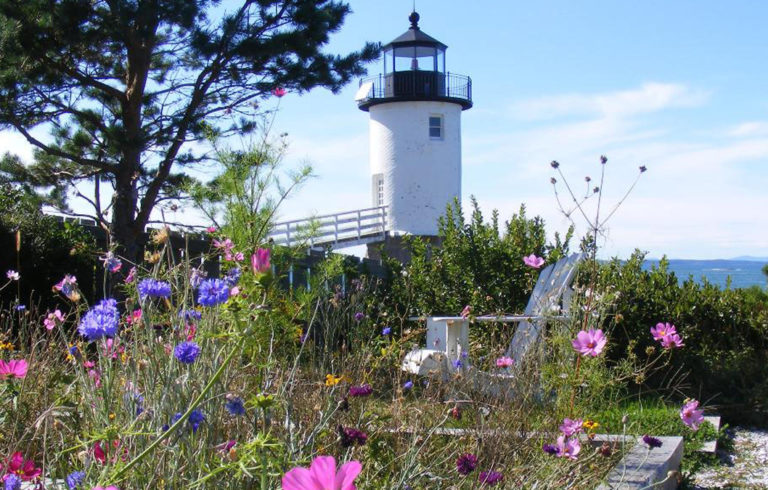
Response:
column 225, row 244
column 533, row 261
column 661, row 330
column 13, row 369
column 690, row 416
column 570, row 427
column 211, row 229
column 589, row 343
column 12, row 275
column 52, row 318
column 672, row 341
column 68, row 287
column 465, row 312
column 260, row 261
column 131, row 276
column 322, row 475
column 23, row 469
column 504, row 362
column 568, row 447
column 278, row 92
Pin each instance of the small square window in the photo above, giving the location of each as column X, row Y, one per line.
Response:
column 436, row 127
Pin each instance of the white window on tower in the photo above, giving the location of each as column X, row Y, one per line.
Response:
column 380, row 192
column 436, row 127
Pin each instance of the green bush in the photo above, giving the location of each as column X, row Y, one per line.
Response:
column 725, row 332
column 49, row 249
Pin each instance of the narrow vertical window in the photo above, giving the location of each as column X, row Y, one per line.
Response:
column 380, row 192
column 436, row 127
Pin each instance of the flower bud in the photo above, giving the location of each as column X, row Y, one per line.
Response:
column 603, row 159
column 554, row 164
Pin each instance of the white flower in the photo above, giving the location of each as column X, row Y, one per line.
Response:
column 12, row 275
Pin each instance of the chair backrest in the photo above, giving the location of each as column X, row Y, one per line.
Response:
column 547, row 298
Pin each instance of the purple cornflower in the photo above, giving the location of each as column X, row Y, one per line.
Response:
column 359, row 316
column 233, row 276
column 360, row 390
column 234, row 406
column 490, row 478
column 350, row 436
column 212, row 292
column 550, row 449
column 12, row 482
column 457, row 364
column 187, row 352
column 195, row 419
column 386, row 331
column 111, row 263
column 652, row 442
column 153, row 288
column 100, row 321
column 466, row 463
column 74, row 479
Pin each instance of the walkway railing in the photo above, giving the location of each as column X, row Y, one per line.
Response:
column 339, row 230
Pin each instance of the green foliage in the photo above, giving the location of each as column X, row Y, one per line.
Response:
column 241, row 200
column 725, row 332
column 477, row 263
column 49, row 249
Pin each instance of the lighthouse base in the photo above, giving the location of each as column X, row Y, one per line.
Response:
column 398, row 247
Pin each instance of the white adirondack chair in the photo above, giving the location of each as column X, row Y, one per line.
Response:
column 447, row 346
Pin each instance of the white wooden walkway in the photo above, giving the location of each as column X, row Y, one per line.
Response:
column 346, row 229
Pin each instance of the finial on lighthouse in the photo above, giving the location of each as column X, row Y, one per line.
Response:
column 414, row 18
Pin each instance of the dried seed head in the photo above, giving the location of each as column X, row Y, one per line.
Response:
column 603, row 159
column 554, row 164
column 596, row 190
column 588, row 178
column 553, row 181
column 643, row 168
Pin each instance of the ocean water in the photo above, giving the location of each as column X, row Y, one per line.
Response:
column 742, row 273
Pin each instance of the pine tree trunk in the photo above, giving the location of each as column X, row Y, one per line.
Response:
column 126, row 232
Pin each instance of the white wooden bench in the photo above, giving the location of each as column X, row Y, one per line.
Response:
column 447, row 348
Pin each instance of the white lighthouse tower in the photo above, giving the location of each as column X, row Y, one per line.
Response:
column 415, row 110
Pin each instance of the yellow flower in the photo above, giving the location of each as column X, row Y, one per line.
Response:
column 590, row 424
column 111, row 416
column 331, row 380
column 6, row 346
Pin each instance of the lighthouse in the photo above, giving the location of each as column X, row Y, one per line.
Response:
column 414, row 109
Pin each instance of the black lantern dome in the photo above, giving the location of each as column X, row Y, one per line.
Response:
column 414, row 69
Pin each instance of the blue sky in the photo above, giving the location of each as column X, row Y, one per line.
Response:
column 679, row 87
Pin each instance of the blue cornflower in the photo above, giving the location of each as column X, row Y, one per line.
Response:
column 235, row 406
column 100, row 321
column 74, row 479
column 135, row 400
column 154, row 289
column 187, row 352
column 386, row 331
column 21, row 307
column 233, row 275
column 12, row 482
column 408, row 385
column 457, row 364
column 212, row 292
column 190, row 314
column 195, row 419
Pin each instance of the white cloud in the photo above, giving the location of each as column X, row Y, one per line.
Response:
column 750, row 129
column 15, row 143
column 650, row 97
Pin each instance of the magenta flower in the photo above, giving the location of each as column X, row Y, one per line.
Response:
column 672, row 341
column 24, row 469
column 690, row 416
column 570, row 427
column 533, row 261
column 360, row 390
column 661, row 330
column 589, row 343
column 278, row 92
column 260, row 261
column 568, row 447
column 466, row 463
column 322, row 475
column 131, row 276
column 52, row 319
column 111, row 263
column 490, row 478
column 13, row 369
column 652, row 442
column 504, row 362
